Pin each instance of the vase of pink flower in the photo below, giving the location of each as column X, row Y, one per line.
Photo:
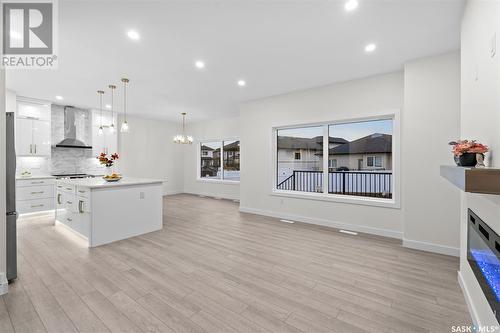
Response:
column 469, row 153
column 108, row 162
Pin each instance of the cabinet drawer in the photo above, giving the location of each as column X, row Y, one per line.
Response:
column 34, row 192
column 34, row 182
column 69, row 202
column 83, row 191
column 79, row 223
column 38, row 205
column 66, row 188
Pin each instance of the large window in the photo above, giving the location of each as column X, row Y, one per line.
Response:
column 220, row 160
column 300, row 159
column 360, row 159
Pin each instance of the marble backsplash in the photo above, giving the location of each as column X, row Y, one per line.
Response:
column 63, row 160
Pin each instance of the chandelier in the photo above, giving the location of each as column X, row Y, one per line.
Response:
column 183, row 138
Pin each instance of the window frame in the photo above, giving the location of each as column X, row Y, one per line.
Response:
column 198, row 160
column 394, row 202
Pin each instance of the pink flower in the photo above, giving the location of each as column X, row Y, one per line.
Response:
column 468, row 146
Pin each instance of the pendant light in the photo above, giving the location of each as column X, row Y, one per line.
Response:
column 101, row 129
column 112, row 126
column 183, row 138
column 124, row 127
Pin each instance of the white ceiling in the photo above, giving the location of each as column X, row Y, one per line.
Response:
column 276, row 46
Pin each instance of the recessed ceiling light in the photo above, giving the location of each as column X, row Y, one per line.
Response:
column 351, row 5
column 241, row 83
column 108, row 106
column 59, row 98
column 134, row 35
column 370, row 47
column 199, row 64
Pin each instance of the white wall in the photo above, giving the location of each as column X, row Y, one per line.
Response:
column 431, row 119
column 148, row 151
column 3, row 185
column 203, row 131
column 480, row 119
column 360, row 98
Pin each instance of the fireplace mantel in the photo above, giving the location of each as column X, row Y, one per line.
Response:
column 473, row 180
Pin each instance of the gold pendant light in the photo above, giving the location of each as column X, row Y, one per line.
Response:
column 112, row 126
column 124, row 127
column 183, row 138
column 101, row 128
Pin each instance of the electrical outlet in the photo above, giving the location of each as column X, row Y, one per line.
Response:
column 493, row 49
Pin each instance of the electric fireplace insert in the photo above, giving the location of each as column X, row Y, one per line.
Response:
column 483, row 255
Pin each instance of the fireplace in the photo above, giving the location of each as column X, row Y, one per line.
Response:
column 483, row 255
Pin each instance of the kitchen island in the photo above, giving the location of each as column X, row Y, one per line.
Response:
column 102, row 212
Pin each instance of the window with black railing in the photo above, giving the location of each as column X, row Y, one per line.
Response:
column 359, row 159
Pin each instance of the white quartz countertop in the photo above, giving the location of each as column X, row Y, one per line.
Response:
column 98, row 182
column 19, row 177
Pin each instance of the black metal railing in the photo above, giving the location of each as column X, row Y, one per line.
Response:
column 359, row 183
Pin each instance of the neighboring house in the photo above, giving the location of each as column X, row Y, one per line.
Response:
column 304, row 154
column 372, row 152
column 210, row 161
column 232, row 156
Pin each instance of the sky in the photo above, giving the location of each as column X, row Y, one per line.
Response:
column 348, row 131
column 217, row 144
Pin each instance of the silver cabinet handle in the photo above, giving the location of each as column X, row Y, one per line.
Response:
column 31, row 149
column 35, row 149
column 40, row 182
column 36, row 206
column 38, row 192
column 59, row 198
column 80, row 206
column 81, row 191
column 70, row 202
column 69, row 188
column 69, row 219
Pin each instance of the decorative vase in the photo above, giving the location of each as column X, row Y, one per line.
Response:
column 480, row 161
column 466, row 160
column 109, row 171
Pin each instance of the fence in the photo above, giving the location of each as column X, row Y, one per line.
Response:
column 359, row 183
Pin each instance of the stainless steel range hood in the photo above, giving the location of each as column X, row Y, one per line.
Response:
column 70, row 140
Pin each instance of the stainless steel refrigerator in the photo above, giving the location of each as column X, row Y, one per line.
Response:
column 11, row 199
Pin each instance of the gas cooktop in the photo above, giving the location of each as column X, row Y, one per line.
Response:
column 73, row 175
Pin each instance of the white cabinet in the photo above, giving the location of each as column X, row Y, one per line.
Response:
column 34, row 195
column 107, row 142
column 41, row 137
column 33, row 110
column 32, row 129
column 73, row 209
column 24, row 137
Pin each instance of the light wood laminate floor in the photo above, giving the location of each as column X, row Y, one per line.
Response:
column 213, row 269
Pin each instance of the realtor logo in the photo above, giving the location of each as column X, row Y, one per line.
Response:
column 29, row 34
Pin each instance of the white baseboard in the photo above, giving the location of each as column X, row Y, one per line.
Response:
column 214, row 195
column 326, row 223
column 4, row 284
column 468, row 300
column 431, row 247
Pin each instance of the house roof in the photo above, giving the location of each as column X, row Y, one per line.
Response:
column 371, row 144
column 203, row 147
column 316, row 143
column 232, row 146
